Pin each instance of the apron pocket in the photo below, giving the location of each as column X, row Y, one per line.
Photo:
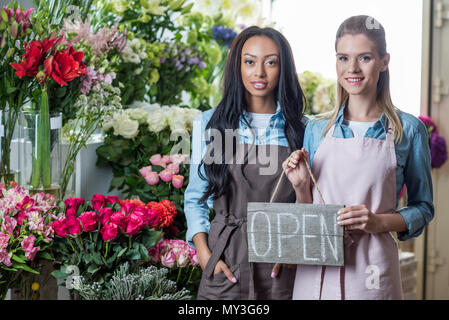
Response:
column 219, row 287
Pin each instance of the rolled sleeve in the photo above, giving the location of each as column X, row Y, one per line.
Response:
column 418, row 180
column 197, row 215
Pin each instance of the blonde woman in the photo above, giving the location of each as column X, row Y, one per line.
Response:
column 361, row 154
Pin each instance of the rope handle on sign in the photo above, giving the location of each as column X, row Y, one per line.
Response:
column 311, row 175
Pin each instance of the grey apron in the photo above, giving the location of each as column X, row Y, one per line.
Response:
column 228, row 236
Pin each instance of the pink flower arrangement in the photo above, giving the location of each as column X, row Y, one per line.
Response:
column 173, row 253
column 25, row 225
column 170, row 173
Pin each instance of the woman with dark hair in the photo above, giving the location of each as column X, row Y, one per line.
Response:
column 361, row 154
column 254, row 128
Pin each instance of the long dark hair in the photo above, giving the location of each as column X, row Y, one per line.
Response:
column 230, row 109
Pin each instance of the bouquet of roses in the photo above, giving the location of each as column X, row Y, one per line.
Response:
column 26, row 234
column 181, row 260
column 95, row 237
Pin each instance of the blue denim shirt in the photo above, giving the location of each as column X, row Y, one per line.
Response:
column 413, row 164
column 197, row 215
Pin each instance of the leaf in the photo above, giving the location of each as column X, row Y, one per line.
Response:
column 87, row 258
column 58, row 274
column 97, row 258
column 117, row 182
column 11, row 90
column 143, row 252
column 18, row 259
column 47, row 256
column 150, row 238
column 121, row 252
column 93, row 268
column 24, row 267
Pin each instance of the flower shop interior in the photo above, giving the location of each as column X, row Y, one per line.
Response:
column 112, row 133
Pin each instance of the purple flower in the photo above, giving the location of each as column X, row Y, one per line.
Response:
column 194, row 60
column 223, row 34
column 438, row 150
column 162, row 59
column 202, row 65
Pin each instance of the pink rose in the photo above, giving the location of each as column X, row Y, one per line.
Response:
column 178, row 159
column 178, row 181
column 135, row 224
column 153, row 254
column 193, row 258
column 152, row 178
column 169, row 259
column 89, row 220
column 4, row 240
column 9, row 224
column 60, row 227
column 112, row 199
column 166, row 159
column 161, row 164
column 109, row 232
column 73, row 225
column 182, row 258
column 127, row 207
column 5, row 258
column 145, row 171
column 156, row 158
column 166, row 175
column 173, row 168
column 74, row 203
column 98, row 201
column 119, row 219
column 104, row 215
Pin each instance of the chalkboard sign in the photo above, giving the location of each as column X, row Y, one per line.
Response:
column 295, row 233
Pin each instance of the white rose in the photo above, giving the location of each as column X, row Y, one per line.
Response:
column 177, row 118
column 137, row 114
column 157, row 120
column 191, row 114
column 124, row 126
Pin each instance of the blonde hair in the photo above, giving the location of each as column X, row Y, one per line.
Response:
column 375, row 32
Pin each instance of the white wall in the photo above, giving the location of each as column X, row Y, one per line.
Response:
column 310, row 27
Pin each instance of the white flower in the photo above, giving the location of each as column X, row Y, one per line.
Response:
column 145, row 106
column 157, row 120
column 208, row 7
column 191, row 114
column 324, row 97
column 154, row 7
column 177, row 118
column 137, row 114
column 124, row 126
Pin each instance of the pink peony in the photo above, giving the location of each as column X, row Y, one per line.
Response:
column 173, row 168
column 70, row 213
column 4, row 240
column 135, row 224
column 89, row 220
column 156, row 158
column 182, row 258
column 166, row 175
column 5, row 258
column 98, row 201
column 109, row 232
column 178, row 181
column 178, row 159
column 152, row 178
column 193, row 258
column 169, row 259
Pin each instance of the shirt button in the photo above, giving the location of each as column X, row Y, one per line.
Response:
column 271, row 125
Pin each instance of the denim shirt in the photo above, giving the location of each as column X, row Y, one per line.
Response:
column 197, row 215
column 413, row 164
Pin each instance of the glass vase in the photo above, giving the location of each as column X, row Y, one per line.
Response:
column 9, row 170
column 41, row 150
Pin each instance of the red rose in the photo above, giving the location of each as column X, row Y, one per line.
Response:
column 35, row 53
column 112, row 199
column 73, row 225
column 105, row 215
column 71, row 212
column 98, row 201
column 73, row 203
column 60, row 227
column 109, row 232
column 128, row 207
column 152, row 217
column 65, row 65
column 119, row 219
column 135, row 224
column 89, row 220
column 166, row 218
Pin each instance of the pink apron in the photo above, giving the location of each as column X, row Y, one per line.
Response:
column 356, row 171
